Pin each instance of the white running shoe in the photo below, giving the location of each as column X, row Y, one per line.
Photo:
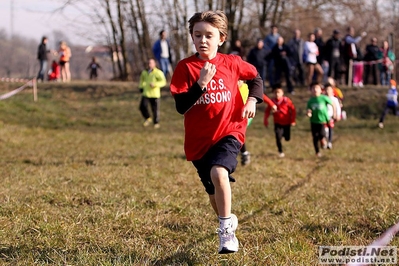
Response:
column 147, row 122
column 329, row 145
column 281, row 155
column 228, row 242
column 381, row 125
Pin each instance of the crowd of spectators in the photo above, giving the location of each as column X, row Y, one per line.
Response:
column 299, row 62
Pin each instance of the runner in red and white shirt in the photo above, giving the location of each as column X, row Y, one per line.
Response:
column 205, row 90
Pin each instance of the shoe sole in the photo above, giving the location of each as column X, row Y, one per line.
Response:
column 227, row 251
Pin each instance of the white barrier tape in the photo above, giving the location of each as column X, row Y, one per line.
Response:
column 13, row 80
column 383, row 240
column 12, row 93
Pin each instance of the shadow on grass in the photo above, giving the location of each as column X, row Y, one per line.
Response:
column 178, row 258
column 289, row 191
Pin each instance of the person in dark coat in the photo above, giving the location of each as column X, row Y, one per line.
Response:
column 281, row 54
column 370, row 65
column 333, row 54
column 257, row 57
column 296, row 45
column 42, row 57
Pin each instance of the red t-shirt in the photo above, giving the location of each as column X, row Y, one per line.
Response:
column 217, row 113
column 285, row 114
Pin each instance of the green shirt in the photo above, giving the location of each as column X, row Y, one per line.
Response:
column 318, row 105
column 156, row 77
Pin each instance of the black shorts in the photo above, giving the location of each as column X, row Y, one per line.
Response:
column 62, row 63
column 223, row 153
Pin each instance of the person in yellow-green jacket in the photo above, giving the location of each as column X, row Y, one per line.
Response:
column 151, row 82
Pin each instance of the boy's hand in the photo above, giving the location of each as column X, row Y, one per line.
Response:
column 309, row 113
column 206, row 74
column 293, row 124
column 249, row 108
column 274, row 109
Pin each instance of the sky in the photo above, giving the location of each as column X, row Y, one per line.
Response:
column 33, row 19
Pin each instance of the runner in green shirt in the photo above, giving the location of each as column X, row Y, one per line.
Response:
column 318, row 112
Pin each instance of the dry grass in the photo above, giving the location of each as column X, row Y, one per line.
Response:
column 84, row 184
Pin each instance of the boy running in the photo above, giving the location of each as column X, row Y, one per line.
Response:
column 284, row 117
column 318, row 112
column 205, row 90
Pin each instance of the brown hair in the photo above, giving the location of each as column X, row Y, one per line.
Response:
column 216, row 18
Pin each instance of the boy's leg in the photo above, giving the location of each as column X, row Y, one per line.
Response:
column 278, row 131
column 384, row 113
column 143, row 107
column 155, row 109
column 144, row 111
column 220, row 179
column 245, row 155
column 287, row 132
column 315, row 134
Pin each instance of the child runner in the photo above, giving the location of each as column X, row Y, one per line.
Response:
column 152, row 80
column 338, row 93
column 284, row 117
column 245, row 155
column 392, row 103
column 318, row 113
column 205, row 90
column 93, row 67
column 330, row 125
column 243, row 87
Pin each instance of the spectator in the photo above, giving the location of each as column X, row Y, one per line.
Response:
column 42, row 57
column 310, row 53
column 257, row 57
column 370, row 57
column 318, row 33
column 270, row 41
column 65, row 56
column 280, row 55
column 296, row 45
column 386, row 66
column 350, row 51
column 333, row 54
column 54, row 74
column 237, row 49
column 162, row 53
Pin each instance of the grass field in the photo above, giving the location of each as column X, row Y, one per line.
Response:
column 83, row 183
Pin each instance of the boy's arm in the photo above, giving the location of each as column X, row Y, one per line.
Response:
column 270, row 103
column 267, row 114
column 308, row 110
column 293, row 111
column 160, row 79
column 255, row 88
column 184, row 101
column 255, row 95
column 142, row 81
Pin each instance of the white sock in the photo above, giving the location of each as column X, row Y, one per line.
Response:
column 224, row 222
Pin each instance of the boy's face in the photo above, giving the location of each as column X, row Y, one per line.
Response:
column 316, row 90
column 151, row 64
column 279, row 93
column 206, row 39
